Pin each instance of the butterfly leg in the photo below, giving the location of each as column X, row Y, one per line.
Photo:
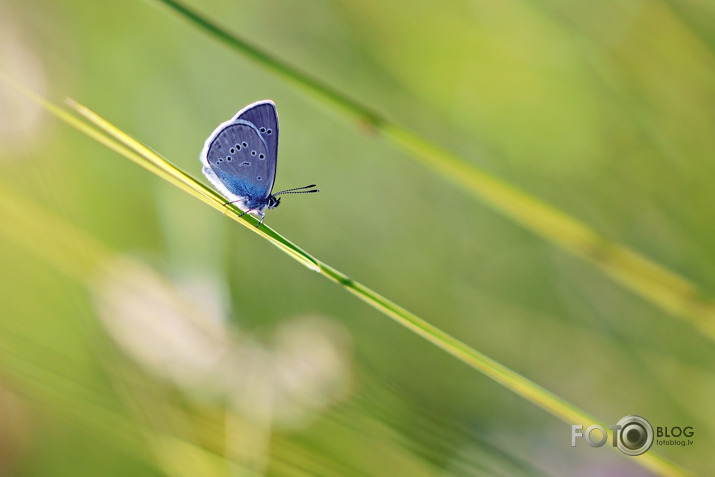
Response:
column 263, row 216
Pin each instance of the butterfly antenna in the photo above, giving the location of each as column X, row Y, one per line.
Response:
column 298, row 190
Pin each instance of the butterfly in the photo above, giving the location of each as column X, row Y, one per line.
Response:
column 240, row 158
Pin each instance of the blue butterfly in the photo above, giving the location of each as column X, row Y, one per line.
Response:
column 240, row 159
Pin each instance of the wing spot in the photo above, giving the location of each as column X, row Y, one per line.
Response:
column 228, row 158
column 262, row 130
column 244, row 144
column 253, row 153
column 261, row 156
column 238, row 147
column 232, row 150
column 245, row 163
column 268, row 131
column 258, row 178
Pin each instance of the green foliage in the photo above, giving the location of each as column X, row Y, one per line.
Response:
column 171, row 342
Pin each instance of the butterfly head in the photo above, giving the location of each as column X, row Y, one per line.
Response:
column 272, row 202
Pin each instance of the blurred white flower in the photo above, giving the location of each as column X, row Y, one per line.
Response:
column 175, row 335
column 181, row 334
column 311, row 367
column 20, row 118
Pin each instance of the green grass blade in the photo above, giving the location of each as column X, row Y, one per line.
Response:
column 309, row 85
column 662, row 287
column 125, row 145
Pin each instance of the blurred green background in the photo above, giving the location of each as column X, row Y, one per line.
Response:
column 142, row 333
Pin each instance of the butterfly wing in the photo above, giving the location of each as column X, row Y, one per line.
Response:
column 264, row 116
column 237, row 161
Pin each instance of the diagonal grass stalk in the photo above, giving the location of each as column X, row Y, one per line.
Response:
column 125, row 145
column 664, row 288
